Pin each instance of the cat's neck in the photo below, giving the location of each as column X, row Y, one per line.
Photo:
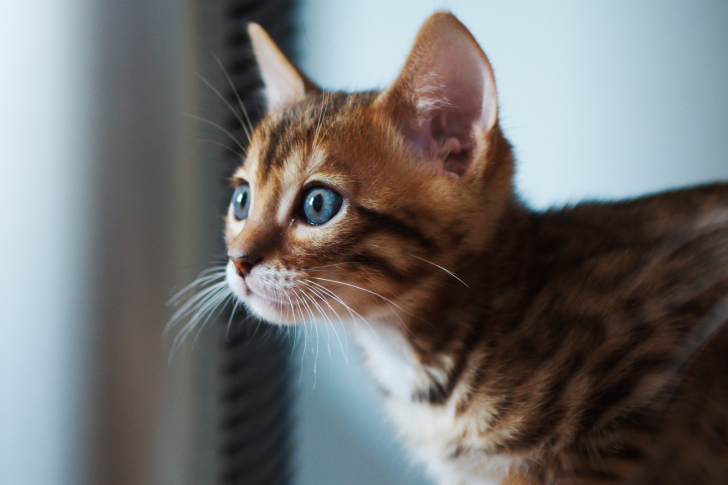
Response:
column 396, row 367
column 412, row 356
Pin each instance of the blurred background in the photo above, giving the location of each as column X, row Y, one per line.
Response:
column 110, row 201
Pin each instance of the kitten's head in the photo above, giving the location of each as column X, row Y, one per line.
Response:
column 360, row 205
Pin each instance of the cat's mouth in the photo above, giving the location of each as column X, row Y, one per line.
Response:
column 269, row 308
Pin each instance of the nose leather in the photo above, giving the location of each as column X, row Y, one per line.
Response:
column 253, row 244
column 244, row 264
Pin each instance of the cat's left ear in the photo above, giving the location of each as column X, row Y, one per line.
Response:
column 284, row 83
column 444, row 99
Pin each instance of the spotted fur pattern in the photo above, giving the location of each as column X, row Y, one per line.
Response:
column 583, row 345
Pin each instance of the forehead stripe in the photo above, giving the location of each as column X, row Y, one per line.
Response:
column 277, row 141
column 300, row 123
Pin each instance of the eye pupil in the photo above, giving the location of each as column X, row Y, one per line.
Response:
column 242, row 198
column 321, row 205
column 318, row 202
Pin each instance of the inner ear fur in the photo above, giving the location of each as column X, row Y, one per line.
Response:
column 444, row 95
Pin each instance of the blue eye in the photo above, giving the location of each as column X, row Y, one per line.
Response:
column 241, row 201
column 321, row 205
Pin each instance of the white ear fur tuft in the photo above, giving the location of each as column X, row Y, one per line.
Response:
column 284, row 84
column 445, row 91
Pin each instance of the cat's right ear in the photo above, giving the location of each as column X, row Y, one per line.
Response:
column 283, row 82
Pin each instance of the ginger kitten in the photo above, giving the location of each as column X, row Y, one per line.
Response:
column 576, row 346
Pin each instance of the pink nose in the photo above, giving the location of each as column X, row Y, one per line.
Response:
column 244, row 264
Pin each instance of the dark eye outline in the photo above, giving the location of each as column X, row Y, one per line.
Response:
column 241, row 213
column 338, row 204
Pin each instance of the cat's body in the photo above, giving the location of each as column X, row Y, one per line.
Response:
column 583, row 345
column 568, row 362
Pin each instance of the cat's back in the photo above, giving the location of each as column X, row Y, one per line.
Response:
column 671, row 243
column 640, row 290
column 641, row 221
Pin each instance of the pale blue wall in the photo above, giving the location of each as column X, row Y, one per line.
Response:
column 45, row 156
column 600, row 99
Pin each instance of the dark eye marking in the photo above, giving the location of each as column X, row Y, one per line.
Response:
column 380, row 263
column 389, row 223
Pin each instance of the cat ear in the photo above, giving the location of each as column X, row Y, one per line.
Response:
column 445, row 95
column 284, row 83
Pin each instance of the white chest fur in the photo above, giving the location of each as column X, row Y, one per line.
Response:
column 433, row 432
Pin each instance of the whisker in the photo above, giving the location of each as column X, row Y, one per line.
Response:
column 324, row 271
column 333, row 295
column 305, row 334
column 219, row 127
column 318, row 344
column 349, row 309
column 391, row 303
column 223, row 145
column 242, row 322
column 310, row 312
column 227, row 103
column 375, row 294
column 325, row 316
column 237, row 95
column 308, row 308
column 293, row 316
column 324, row 105
column 316, row 352
column 230, row 320
column 245, row 320
column 444, row 269
column 212, row 300
column 203, row 277
column 191, row 305
column 327, row 129
column 218, row 309
column 317, row 293
column 330, row 265
column 208, row 304
column 323, row 298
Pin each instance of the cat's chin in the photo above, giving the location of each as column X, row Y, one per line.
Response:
column 270, row 310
